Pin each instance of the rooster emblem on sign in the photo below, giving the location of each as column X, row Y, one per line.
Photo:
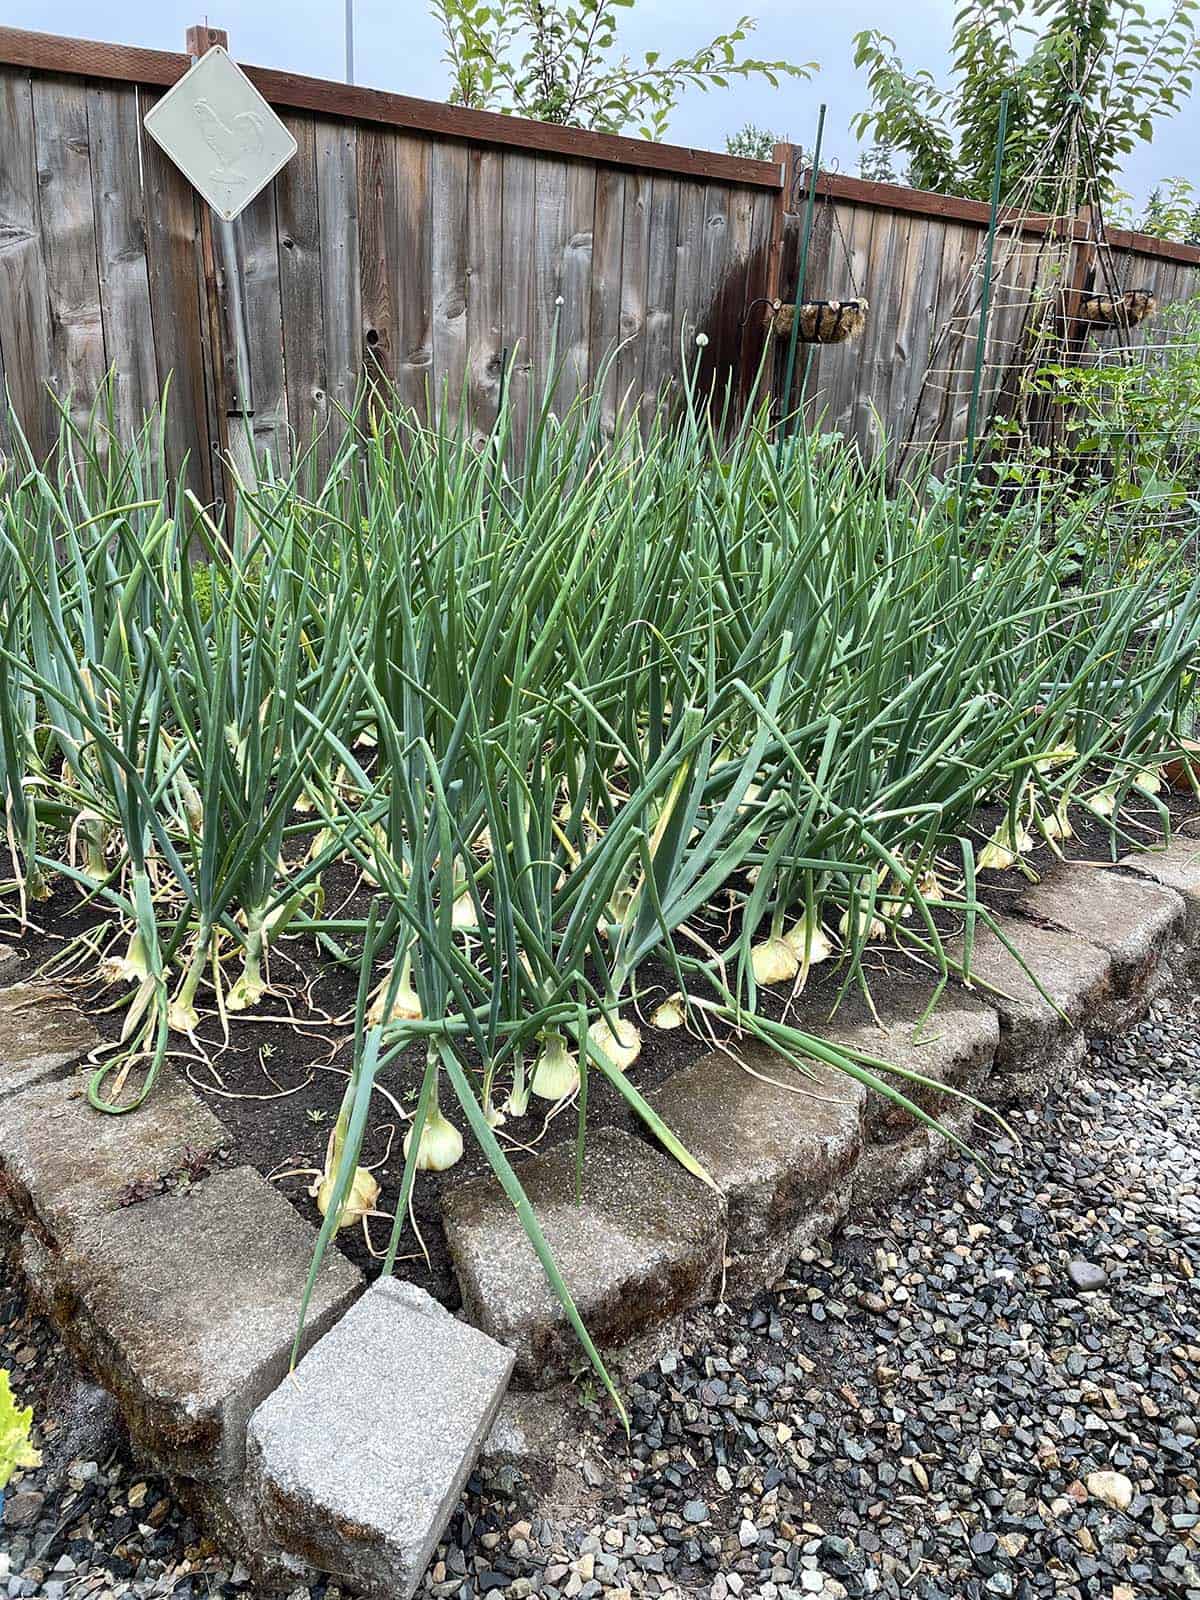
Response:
column 233, row 142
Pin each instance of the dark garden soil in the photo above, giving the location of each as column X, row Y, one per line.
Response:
column 277, row 1077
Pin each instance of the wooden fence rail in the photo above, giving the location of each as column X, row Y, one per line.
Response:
column 426, row 243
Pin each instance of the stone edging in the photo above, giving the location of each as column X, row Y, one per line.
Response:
column 186, row 1309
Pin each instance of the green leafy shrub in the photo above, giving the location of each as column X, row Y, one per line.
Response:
column 1128, row 424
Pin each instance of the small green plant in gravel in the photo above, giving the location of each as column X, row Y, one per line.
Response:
column 16, row 1426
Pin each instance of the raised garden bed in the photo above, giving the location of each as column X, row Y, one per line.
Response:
column 400, row 798
column 179, row 1295
column 275, row 1085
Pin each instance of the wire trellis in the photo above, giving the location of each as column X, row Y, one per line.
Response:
column 1046, row 268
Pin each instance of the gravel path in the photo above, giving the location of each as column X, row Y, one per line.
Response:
column 994, row 1390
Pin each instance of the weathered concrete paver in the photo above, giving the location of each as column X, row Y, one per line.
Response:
column 916, row 1414
column 954, row 1046
column 359, row 1458
column 62, row 1163
column 1176, row 866
column 185, row 1308
column 1040, row 1037
column 1139, row 924
column 781, row 1146
column 40, row 1033
column 645, row 1245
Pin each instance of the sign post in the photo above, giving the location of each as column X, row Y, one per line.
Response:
column 229, row 144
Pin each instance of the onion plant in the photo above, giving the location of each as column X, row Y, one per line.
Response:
column 579, row 716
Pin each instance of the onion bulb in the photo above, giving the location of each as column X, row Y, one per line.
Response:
column 1052, row 758
column 1005, row 848
column 441, row 1143
column 1057, row 824
column 869, row 927
column 622, row 1044
column 406, row 1003
column 556, row 1072
column 463, row 915
column 774, row 961
column 364, row 1191
column 1104, row 802
column 820, row 945
column 359, row 1203
column 670, row 1014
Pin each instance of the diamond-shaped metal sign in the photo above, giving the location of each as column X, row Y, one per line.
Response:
column 221, row 133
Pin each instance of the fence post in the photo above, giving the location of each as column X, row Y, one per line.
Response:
column 784, row 155
column 1084, row 250
column 232, row 358
column 784, row 249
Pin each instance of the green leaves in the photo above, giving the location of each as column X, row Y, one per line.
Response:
column 16, row 1422
column 554, row 62
column 1095, row 78
column 583, row 721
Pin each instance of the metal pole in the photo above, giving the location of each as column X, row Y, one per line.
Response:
column 790, row 370
column 349, row 41
column 985, row 303
column 240, row 409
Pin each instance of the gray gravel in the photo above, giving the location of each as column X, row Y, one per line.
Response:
column 993, row 1390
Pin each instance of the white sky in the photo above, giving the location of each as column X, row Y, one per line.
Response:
column 397, row 47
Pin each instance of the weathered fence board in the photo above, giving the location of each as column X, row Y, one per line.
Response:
column 918, row 260
column 485, row 309
column 420, row 244
column 305, row 362
column 68, row 226
column 448, row 176
column 121, row 254
column 174, row 255
column 24, row 295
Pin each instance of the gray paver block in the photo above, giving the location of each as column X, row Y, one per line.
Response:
column 40, row 1034
column 645, row 1244
column 1137, row 922
column 954, row 1046
column 887, row 1170
column 63, row 1163
column 357, row 1460
column 1176, row 866
column 185, row 1308
column 1039, row 1040
column 780, row 1145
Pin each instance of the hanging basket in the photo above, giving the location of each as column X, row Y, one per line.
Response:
column 823, row 321
column 1118, row 311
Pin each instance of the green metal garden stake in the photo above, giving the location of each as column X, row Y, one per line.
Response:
column 985, row 304
column 790, row 370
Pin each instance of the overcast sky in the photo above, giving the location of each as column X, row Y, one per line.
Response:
column 398, row 48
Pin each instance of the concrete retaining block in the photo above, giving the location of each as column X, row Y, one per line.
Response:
column 40, row 1034
column 1040, row 1038
column 63, row 1164
column 886, row 1170
column 645, row 1244
column 954, row 1048
column 780, row 1145
column 185, row 1308
column 357, row 1460
column 1176, row 866
column 1139, row 923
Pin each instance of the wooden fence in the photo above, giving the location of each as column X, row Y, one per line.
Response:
column 917, row 258
column 424, row 242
